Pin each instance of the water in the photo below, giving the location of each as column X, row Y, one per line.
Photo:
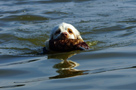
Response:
column 107, row 25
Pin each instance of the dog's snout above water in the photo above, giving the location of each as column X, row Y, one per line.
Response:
column 64, row 35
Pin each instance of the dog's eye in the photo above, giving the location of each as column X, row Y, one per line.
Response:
column 70, row 31
column 58, row 31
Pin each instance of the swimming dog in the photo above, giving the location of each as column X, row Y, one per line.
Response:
column 65, row 37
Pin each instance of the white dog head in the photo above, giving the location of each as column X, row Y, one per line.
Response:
column 65, row 31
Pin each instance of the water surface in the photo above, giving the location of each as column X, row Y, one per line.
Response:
column 107, row 26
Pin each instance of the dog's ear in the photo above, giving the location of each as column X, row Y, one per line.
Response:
column 47, row 45
column 51, row 38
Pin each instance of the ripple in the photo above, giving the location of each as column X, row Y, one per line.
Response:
column 24, row 18
column 12, row 86
column 130, row 20
column 9, row 72
column 20, row 44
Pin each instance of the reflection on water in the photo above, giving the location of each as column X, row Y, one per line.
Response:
column 66, row 67
column 98, row 66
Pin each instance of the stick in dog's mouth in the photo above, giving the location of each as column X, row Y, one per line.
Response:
column 67, row 45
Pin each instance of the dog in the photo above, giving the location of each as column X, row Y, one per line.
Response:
column 63, row 31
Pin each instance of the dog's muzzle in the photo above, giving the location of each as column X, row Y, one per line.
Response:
column 64, row 35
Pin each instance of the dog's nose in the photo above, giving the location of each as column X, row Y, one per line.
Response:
column 64, row 34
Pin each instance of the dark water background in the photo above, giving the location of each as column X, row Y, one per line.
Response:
column 108, row 26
